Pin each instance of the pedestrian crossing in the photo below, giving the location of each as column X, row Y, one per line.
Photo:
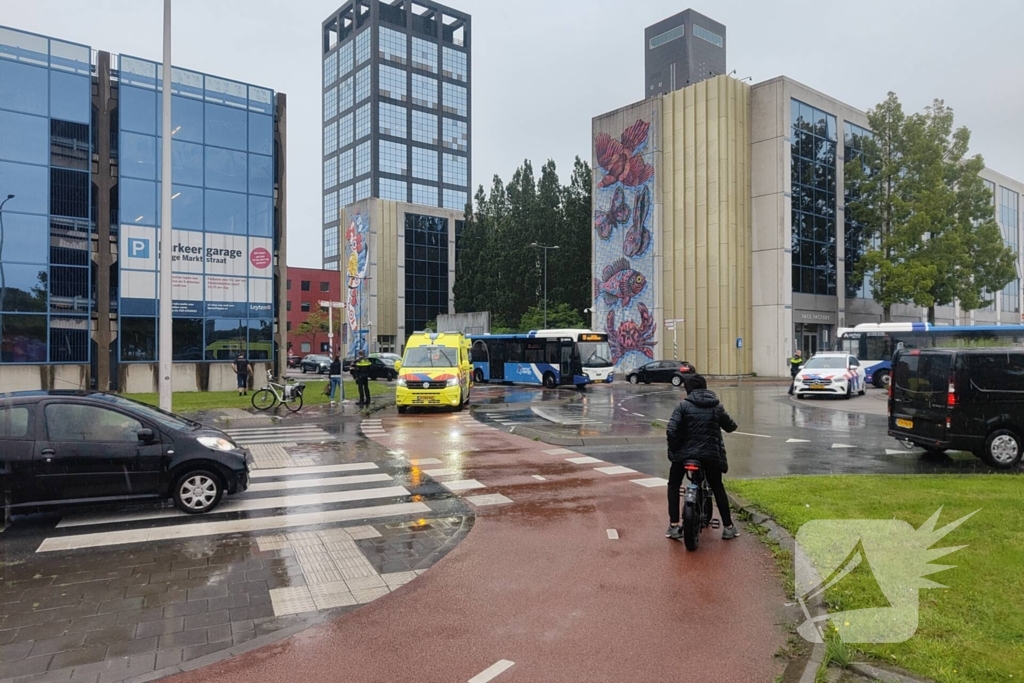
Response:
column 284, row 434
column 279, row 498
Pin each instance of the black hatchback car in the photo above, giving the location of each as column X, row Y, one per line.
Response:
column 960, row 399
column 321, row 365
column 674, row 371
column 60, row 448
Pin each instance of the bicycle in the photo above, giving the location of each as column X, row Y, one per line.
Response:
column 696, row 505
column 288, row 394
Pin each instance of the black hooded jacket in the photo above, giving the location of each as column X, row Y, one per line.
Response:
column 695, row 430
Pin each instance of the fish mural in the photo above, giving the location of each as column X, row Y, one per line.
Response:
column 619, row 283
column 623, row 243
column 621, row 160
column 638, row 237
column 357, row 265
column 616, row 215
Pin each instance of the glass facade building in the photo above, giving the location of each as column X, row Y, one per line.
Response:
column 397, row 106
column 813, row 169
column 80, row 155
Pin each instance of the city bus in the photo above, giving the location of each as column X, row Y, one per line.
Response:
column 874, row 343
column 595, row 353
column 528, row 359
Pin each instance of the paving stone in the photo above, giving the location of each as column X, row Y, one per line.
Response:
column 123, row 605
column 139, row 616
column 160, row 628
column 79, row 657
column 186, row 608
column 100, row 621
column 52, row 645
column 242, row 637
column 206, row 620
column 168, row 576
column 207, row 592
column 230, row 602
column 164, row 599
column 26, row 619
column 10, row 653
column 197, row 651
column 86, row 609
column 132, row 647
column 183, row 639
column 24, row 667
column 58, row 676
column 168, row 657
column 53, row 629
column 218, row 634
column 146, row 589
column 108, row 636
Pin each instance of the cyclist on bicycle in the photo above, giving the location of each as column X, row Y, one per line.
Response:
column 695, row 433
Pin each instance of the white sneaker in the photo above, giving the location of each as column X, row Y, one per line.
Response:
column 334, row 403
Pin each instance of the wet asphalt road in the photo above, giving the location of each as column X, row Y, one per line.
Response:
column 777, row 435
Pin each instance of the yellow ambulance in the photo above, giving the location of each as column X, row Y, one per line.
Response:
column 435, row 371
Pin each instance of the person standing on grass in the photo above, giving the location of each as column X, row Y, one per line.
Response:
column 695, row 433
column 336, row 382
column 361, row 373
column 242, row 371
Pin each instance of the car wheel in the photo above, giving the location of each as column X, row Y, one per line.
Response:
column 303, row 369
column 849, row 392
column 1003, row 449
column 677, row 380
column 633, row 379
column 881, row 379
column 478, row 376
column 549, row 380
column 402, row 410
column 198, row 491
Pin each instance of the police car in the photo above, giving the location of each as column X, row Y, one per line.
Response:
column 830, row 374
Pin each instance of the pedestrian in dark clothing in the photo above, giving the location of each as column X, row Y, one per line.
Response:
column 335, row 382
column 795, row 363
column 242, row 371
column 695, row 433
column 361, row 374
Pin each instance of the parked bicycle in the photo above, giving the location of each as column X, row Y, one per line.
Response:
column 288, row 394
column 696, row 505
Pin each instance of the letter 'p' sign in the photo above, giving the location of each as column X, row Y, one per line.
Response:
column 138, row 248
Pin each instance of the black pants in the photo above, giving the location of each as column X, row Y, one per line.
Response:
column 714, row 477
column 364, row 390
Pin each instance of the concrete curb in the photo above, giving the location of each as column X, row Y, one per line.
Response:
column 816, row 605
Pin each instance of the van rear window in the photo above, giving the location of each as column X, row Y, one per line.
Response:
column 13, row 423
column 926, row 373
column 997, row 372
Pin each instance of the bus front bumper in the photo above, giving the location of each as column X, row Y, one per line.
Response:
column 449, row 396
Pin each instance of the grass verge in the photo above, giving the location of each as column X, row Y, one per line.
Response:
column 198, row 401
column 974, row 629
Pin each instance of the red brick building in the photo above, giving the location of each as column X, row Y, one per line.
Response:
column 307, row 287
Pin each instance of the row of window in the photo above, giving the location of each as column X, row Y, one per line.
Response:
column 197, row 209
column 813, row 200
column 192, row 164
column 426, row 269
column 37, row 90
column 305, row 285
column 44, row 339
column 198, row 339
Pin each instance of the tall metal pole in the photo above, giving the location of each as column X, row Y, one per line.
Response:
column 165, row 357
column 545, row 288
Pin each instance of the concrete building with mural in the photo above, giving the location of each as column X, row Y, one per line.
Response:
column 720, row 233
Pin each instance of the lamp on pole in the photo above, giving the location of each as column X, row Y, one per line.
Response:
column 3, row 279
column 545, row 248
column 330, row 306
column 164, row 353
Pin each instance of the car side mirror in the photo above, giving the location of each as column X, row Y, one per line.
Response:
column 398, row 365
column 146, row 436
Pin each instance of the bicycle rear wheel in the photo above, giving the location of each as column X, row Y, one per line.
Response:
column 295, row 404
column 264, row 399
column 691, row 525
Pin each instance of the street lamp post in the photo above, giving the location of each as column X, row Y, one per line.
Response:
column 330, row 306
column 545, row 248
column 3, row 278
column 166, row 336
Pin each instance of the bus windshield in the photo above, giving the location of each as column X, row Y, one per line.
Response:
column 430, row 357
column 595, row 354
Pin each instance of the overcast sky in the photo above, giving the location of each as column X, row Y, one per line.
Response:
column 543, row 68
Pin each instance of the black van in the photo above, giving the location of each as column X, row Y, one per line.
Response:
column 960, row 399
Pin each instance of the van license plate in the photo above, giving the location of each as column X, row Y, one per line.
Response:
column 905, row 424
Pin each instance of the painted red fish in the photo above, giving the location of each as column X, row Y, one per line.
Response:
column 619, row 282
column 619, row 158
column 617, row 214
column 638, row 237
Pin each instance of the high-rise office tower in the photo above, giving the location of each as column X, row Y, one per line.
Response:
column 684, row 49
column 396, row 105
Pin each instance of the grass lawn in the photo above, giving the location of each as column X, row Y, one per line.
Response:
column 196, row 401
column 972, row 631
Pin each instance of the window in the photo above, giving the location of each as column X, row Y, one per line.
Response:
column 362, row 47
column 345, row 166
column 455, row 64
column 69, row 422
column 345, row 130
column 363, row 121
column 426, row 269
column 813, row 200
column 346, row 93
column 330, row 138
column 136, row 107
column 288, row 285
column 330, row 173
column 24, row 88
column 330, row 104
column 854, row 139
column 455, row 172
column 455, row 200
column 707, row 35
column 345, row 195
column 306, row 347
column 667, row 36
column 394, row 189
column 424, row 91
column 393, row 120
column 454, row 99
column 392, row 83
column 424, row 163
column 225, row 212
column 1009, row 221
column 325, row 286
column 305, row 285
column 288, row 306
column 261, row 216
column 363, row 84
column 304, row 307
column 455, row 136
column 424, row 127
column 330, row 248
column 137, row 156
column 362, row 160
column 330, row 69
column 225, row 169
column 393, row 158
column 261, row 133
column 424, row 194
column 362, row 189
column 1002, row 372
column 330, row 216
column 226, row 127
column 13, row 423
column 424, row 55
column 391, row 45
column 345, row 59
column 26, row 138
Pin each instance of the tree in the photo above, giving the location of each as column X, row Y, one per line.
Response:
column 316, row 324
column 560, row 316
column 926, row 214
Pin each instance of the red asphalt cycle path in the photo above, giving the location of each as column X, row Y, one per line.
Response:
column 539, row 583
